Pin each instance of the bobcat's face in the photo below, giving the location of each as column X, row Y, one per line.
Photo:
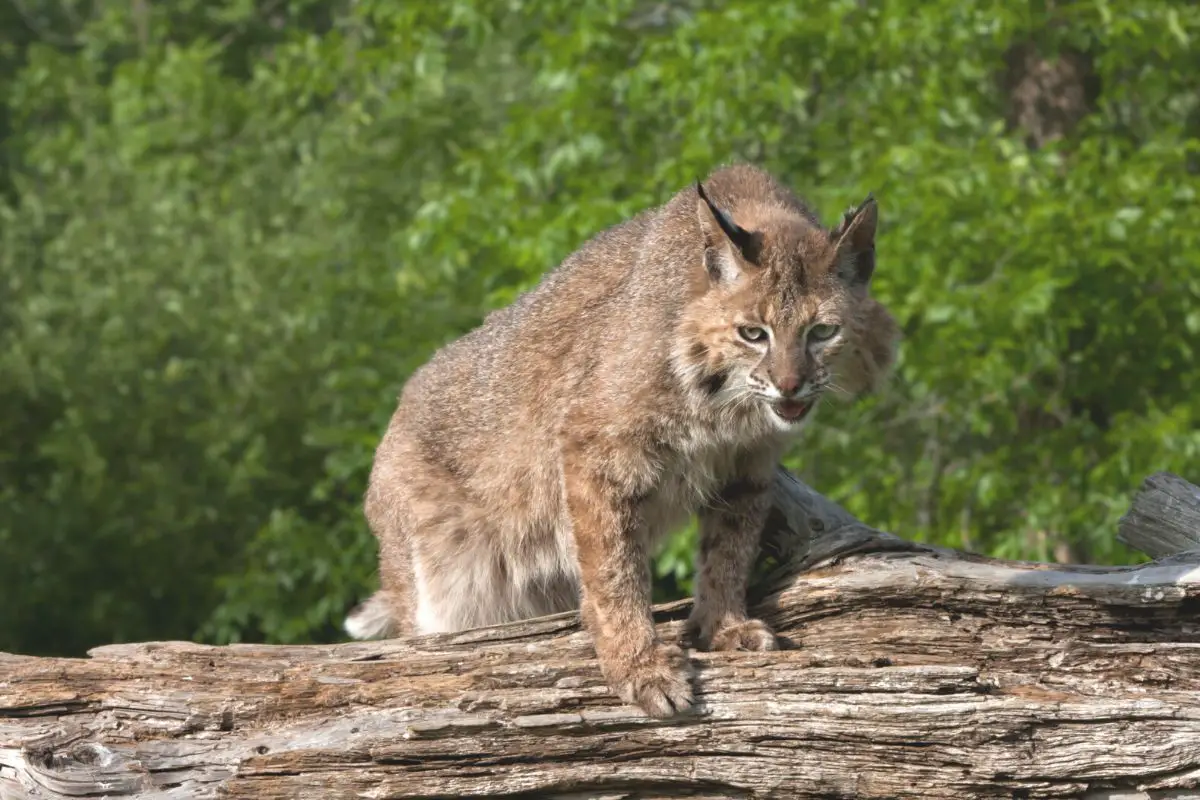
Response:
column 783, row 309
column 780, row 341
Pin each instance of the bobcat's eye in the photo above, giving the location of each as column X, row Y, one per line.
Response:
column 752, row 333
column 819, row 333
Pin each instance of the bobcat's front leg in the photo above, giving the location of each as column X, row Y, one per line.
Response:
column 615, row 578
column 729, row 532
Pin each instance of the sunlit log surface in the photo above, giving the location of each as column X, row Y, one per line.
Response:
column 909, row 672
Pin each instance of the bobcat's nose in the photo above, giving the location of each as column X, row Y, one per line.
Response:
column 788, row 385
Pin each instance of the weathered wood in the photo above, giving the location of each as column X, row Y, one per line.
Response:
column 910, row 672
column 1164, row 518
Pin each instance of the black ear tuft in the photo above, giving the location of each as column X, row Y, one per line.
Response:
column 848, row 217
column 745, row 241
column 854, row 237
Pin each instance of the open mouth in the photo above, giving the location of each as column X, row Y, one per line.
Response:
column 794, row 410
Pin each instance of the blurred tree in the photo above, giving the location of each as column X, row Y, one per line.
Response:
column 233, row 228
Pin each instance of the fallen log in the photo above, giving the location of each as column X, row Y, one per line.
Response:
column 910, row 671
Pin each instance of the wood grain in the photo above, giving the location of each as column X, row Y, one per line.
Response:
column 910, row 672
column 1164, row 518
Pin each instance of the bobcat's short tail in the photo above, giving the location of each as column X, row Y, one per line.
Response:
column 374, row 619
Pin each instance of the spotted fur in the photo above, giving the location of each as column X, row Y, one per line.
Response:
column 533, row 464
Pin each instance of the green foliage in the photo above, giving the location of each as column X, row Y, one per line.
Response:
column 233, row 229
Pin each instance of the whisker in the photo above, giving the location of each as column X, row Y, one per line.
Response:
column 734, row 401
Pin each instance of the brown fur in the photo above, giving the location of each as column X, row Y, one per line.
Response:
column 532, row 465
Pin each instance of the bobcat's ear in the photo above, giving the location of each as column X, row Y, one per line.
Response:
column 727, row 245
column 854, row 239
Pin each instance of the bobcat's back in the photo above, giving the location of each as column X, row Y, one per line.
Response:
column 469, row 469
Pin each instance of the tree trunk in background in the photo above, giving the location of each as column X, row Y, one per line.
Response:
column 909, row 672
column 1048, row 95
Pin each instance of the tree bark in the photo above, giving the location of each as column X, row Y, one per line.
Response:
column 909, row 671
column 1164, row 518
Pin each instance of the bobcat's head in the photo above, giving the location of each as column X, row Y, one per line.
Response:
column 784, row 315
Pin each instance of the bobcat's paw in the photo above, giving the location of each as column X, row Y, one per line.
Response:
column 658, row 679
column 748, row 634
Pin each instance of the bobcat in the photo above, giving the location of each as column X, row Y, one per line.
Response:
column 659, row 371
